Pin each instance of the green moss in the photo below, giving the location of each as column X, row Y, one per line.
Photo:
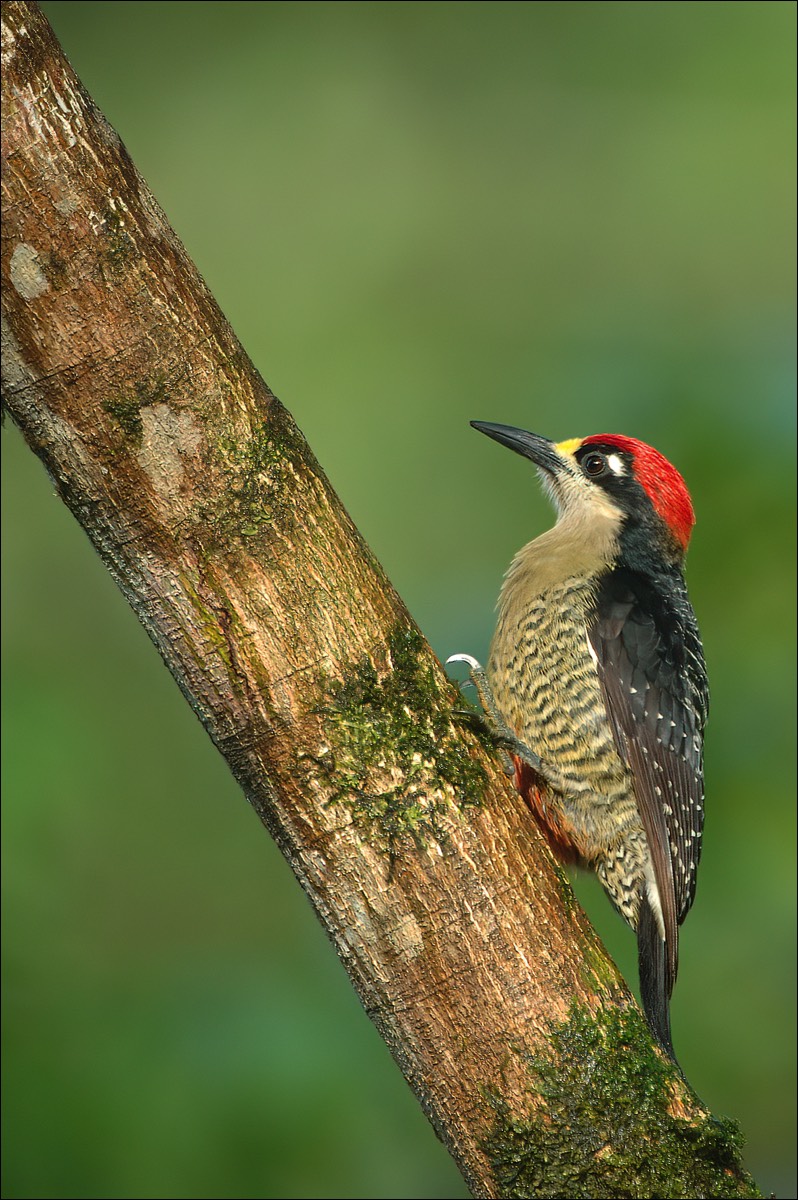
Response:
column 126, row 407
column 126, row 411
column 564, row 887
column 259, row 475
column 120, row 249
column 599, row 973
column 396, row 728
column 604, row 1127
column 209, row 624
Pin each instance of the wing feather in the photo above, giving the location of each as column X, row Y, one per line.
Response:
column 651, row 665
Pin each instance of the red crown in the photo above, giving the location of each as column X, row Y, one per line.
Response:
column 663, row 483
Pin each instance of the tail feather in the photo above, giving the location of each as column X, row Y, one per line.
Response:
column 657, row 976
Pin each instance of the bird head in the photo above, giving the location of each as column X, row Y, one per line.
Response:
column 610, row 477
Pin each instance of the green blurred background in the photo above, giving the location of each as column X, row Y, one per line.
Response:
column 571, row 217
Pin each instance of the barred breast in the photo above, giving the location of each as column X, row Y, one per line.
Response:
column 546, row 686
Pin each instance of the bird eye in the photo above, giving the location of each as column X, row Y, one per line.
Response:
column 594, row 464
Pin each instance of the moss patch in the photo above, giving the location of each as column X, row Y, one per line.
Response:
column 396, row 728
column 604, row 1128
column 564, row 887
column 120, row 249
column 598, row 972
column 209, row 624
column 259, row 476
column 126, row 407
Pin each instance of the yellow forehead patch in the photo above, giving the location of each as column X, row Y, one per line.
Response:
column 570, row 446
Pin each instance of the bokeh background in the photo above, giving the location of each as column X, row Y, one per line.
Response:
column 573, row 217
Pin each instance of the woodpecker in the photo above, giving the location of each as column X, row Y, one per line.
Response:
column 597, row 687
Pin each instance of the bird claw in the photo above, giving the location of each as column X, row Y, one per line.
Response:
column 479, row 679
column 508, row 743
column 466, row 658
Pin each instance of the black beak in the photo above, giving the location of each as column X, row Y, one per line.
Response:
column 539, row 449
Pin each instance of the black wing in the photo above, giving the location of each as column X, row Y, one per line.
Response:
column 651, row 665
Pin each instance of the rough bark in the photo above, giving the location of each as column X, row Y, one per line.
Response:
column 461, row 936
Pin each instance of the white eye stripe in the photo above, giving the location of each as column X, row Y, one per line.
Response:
column 616, row 464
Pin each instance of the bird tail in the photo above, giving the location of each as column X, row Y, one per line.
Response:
column 657, row 976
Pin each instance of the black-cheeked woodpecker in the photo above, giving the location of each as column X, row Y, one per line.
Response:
column 596, row 685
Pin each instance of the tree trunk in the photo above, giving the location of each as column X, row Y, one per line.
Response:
column 198, row 491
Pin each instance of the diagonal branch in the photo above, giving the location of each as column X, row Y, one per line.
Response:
column 199, row 493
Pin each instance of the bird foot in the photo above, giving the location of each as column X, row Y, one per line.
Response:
column 493, row 721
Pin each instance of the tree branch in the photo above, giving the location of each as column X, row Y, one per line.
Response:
column 195, row 486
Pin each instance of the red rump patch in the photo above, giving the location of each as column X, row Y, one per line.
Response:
column 550, row 821
column 663, row 483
